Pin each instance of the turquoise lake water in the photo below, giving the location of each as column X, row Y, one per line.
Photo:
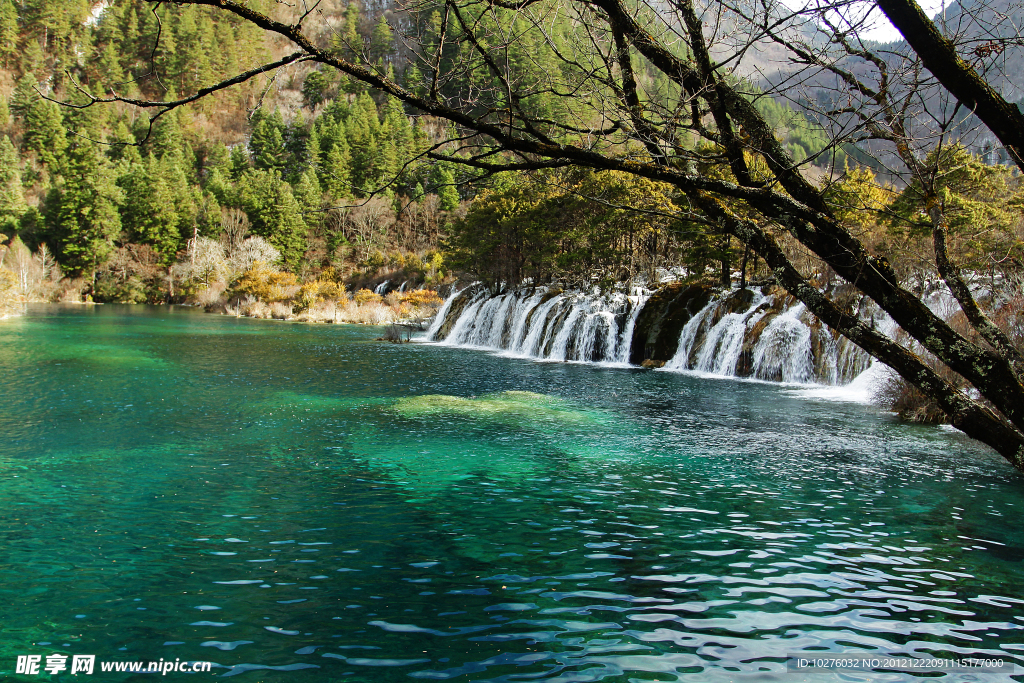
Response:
column 260, row 494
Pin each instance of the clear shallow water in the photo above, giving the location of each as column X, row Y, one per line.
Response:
column 258, row 494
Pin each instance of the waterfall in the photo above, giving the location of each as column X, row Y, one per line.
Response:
column 532, row 335
column 783, row 352
column 637, row 303
column 771, row 337
column 382, row 288
column 761, row 334
column 442, row 314
column 723, row 342
column 549, row 325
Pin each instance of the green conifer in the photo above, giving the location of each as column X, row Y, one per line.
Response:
column 239, row 163
column 12, row 197
column 267, row 142
column 166, row 137
column 444, row 182
column 337, row 170
column 313, row 89
column 45, row 133
column 274, row 213
column 381, row 40
column 82, row 216
column 5, row 114
column 149, row 213
column 313, row 149
column 414, row 81
column 8, row 31
column 309, row 197
column 24, row 95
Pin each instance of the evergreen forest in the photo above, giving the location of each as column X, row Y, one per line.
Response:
column 305, row 171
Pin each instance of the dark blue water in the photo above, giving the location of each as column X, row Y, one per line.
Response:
column 263, row 495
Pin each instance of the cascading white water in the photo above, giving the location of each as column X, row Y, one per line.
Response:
column 536, row 325
column 742, row 333
column 442, row 313
column 543, row 325
column 711, row 343
column 466, row 321
column 382, row 288
column 688, row 338
column 790, row 345
column 567, row 330
column 517, row 338
column 783, row 351
column 626, row 338
column 724, row 343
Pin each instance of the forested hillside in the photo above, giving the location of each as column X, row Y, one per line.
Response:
column 322, row 169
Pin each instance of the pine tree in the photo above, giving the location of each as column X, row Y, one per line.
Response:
column 414, row 81
column 121, row 145
column 313, row 149
column 239, row 163
column 336, row 169
column 175, row 170
column 274, row 213
column 44, row 132
column 348, row 42
column 363, row 132
column 267, row 142
column 220, row 186
column 309, row 197
column 82, row 215
column 203, row 68
column 186, row 33
column 313, row 89
column 33, row 57
column 87, row 122
column 24, row 95
column 398, row 130
column 388, row 163
column 8, row 31
column 5, row 114
column 166, row 137
column 444, row 184
column 12, row 197
column 381, row 41
column 213, row 156
column 149, row 214
column 289, row 230
column 296, row 138
column 109, row 64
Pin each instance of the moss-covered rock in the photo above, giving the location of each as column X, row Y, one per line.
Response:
column 656, row 333
column 454, row 311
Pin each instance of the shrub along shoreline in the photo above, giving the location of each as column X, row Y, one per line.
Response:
column 323, row 301
column 233, row 277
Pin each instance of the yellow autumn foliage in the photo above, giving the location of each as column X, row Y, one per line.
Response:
column 265, row 283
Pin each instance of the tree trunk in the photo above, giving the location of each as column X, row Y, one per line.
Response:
column 725, row 276
column 940, row 57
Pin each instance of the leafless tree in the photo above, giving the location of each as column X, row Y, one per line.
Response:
column 661, row 90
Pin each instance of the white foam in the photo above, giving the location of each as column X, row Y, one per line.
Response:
column 861, row 390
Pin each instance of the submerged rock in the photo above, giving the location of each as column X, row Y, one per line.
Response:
column 522, row 408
